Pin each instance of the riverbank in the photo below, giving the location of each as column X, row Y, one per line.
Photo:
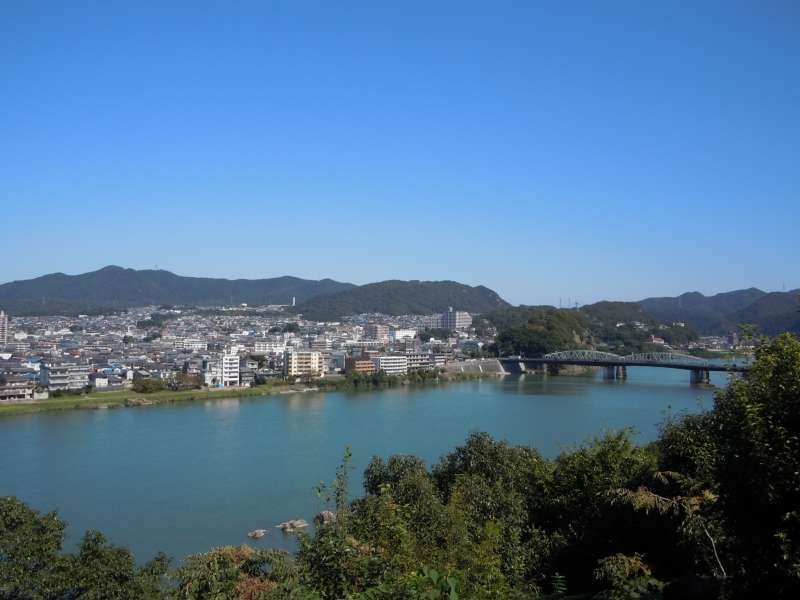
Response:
column 123, row 398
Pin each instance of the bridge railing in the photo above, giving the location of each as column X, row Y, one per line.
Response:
column 667, row 358
column 660, row 358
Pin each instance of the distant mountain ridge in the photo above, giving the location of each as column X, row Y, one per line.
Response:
column 773, row 312
column 117, row 287
column 395, row 297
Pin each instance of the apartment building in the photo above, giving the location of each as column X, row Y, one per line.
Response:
column 303, row 364
column 194, row 345
column 269, row 347
column 3, row 329
column 420, row 361
column 398, row 335
column 64, row 376
column 376, row 331
column 456, row 320
column 391, row 364
column 360, row 365
column 230, row 370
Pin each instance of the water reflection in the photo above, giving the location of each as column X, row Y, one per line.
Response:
column 185, row 477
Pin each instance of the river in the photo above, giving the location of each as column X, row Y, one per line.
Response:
column 183, row 478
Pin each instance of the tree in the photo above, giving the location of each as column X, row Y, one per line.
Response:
column 30, row 544
column 757, row 434
column 32, row 565
column 148, row 386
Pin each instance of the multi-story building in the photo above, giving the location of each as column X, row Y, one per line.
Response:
column 230, row 370
column 212, row 372
column 320, row 343
column 360, row 365
column 431, row 322
column 17, row 389
column 391, row 364
column 191, row 344
column 247, row 371
column 64, row 376
column 455, row 320
column 420, row 361
column 303, row 364
column 3, row 329
column 269, row 347
column 376, row 331
column 397, row 335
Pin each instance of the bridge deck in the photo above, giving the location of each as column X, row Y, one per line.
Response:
column 625, row 363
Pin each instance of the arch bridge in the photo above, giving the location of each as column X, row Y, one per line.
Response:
column 616, row 366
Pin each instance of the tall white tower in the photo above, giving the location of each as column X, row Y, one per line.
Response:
column 3, row 329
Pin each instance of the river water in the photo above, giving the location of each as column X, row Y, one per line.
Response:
column 186, row 477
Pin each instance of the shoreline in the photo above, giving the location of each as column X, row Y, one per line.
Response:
column 129, row 398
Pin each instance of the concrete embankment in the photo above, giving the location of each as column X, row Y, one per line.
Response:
column 489, row 366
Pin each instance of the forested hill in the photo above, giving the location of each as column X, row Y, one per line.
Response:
column 402, row 297
column 772, row 313
column 620, row 327
column 116, row 287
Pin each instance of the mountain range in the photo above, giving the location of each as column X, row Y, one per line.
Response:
column 772, row 312
column 115, row 287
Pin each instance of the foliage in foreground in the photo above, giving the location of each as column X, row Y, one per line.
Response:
column 710, row 510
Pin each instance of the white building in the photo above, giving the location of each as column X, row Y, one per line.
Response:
column 391, row 364
column 398, row 335
column 303, row 364
column 269, row 347
column 230, row 370
column 455, row 320
column 65, row 376
column 191, row 344
column 420, row 361
column 3, row 329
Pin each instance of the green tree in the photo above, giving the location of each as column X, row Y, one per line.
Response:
column 757, row 434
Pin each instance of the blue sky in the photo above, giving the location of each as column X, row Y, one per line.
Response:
column 548, row 150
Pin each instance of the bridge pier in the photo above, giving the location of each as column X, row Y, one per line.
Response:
column 622, row 372
column 699, row 376
column 610, row 373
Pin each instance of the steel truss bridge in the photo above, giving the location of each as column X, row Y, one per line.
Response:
column 616, row 366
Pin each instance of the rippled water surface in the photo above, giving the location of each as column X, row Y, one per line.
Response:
column 185, row 477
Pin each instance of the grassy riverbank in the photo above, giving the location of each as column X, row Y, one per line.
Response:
column 117, row 399
column 120, row 398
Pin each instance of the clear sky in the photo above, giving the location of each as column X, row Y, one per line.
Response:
column 548, row 150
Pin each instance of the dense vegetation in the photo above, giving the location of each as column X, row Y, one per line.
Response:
column 537, row 330
column 709, row 510
column 400, row 298
column 620, row 327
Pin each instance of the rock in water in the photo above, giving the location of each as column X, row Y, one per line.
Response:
column 292, row 525
column 257, row 533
